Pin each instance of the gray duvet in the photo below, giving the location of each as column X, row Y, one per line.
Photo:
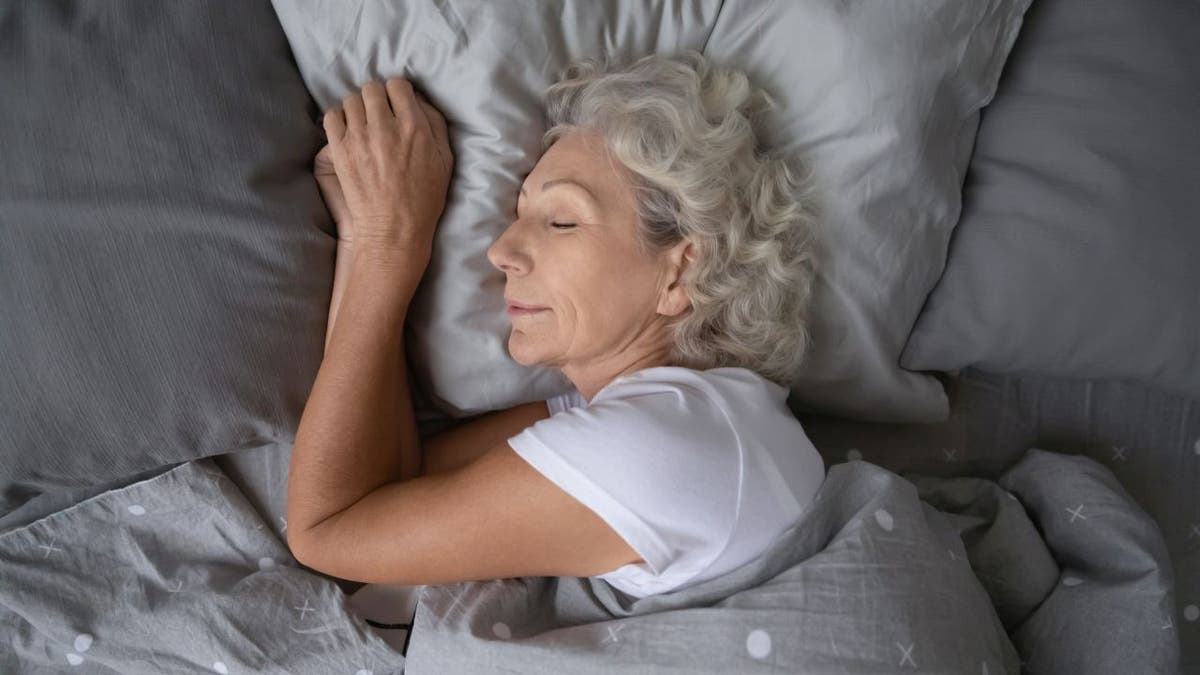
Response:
column 1052, row 569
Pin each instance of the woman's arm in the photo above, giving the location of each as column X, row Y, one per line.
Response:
column 335, row 201
column 358, row 430
column 462, row 444
column 356, row 508
column 341, row 273
column 469, row 441
column 392, row 160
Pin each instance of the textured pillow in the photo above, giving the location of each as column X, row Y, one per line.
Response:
column 881, row 97
column 166, row 260
column 1078, row 246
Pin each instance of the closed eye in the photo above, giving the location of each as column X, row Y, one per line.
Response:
column 563, row 226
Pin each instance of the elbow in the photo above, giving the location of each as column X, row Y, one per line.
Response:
column 321, row 556
column 310, row 543
column 302, row 547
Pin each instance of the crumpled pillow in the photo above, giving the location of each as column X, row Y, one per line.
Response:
column 880, row 98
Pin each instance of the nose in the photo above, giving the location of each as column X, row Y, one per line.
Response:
column 505, row 253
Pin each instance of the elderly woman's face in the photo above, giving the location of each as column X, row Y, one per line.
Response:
column 573, row 252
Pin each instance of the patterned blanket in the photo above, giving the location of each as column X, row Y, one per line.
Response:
column 1052, row 569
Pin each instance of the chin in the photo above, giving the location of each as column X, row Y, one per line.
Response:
column 522, row 350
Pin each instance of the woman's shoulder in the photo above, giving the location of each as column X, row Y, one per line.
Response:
column 722, row 410
column 726, row 387
column 666, row 408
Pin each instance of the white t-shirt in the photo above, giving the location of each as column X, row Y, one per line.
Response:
column 699, row 471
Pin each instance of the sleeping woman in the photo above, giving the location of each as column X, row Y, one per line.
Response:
column 657, row 258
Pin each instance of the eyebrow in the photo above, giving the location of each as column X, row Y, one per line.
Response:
column 556, row 181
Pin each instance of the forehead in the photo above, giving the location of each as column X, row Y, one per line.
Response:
column 581, row 156
column 576, row 144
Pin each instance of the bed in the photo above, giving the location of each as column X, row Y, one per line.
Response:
column 1006, row 393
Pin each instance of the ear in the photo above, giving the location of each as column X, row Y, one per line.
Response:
column 674, row 299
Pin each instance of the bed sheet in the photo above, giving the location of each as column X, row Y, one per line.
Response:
column 1150, row 439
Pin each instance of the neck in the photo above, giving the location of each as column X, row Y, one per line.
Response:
column 590, row 378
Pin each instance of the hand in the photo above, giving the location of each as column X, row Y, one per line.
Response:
column 331, row 191
column 391, row 153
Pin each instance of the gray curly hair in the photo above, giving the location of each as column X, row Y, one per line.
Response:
column 682, row 130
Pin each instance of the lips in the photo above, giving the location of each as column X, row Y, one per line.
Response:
column 515, row 308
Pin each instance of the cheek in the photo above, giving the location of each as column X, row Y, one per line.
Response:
column 596, row 291
column 611, row 307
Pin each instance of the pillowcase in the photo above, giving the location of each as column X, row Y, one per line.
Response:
column 166, row 261
column 881, row 98
column 484, row 65
column 1077, row 252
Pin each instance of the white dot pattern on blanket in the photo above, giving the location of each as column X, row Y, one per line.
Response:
column 1071, row 581
column 501, row 630
column 83, row 642
column 853, row 455
column 137, row 510
column 758, row 643
column 1191, row 612
column 220, row 668
column 885, row 519
column 265, row 564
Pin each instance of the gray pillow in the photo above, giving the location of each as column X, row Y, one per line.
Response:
column 1077, row 251
column 166, row 260
column 881, row 97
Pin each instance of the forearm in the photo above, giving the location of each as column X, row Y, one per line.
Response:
column 358, row 430
column 341, row 274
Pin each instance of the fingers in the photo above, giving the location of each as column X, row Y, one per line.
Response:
column 323, row 162
column 334, row 123
column 380, row 102
column 356, row 112
column 437, row 123
column 404, row 100
column 375, row 101
column 441, row 137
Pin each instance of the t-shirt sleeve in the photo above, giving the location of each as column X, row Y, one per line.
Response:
column 663, row 469
column 564, row 401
